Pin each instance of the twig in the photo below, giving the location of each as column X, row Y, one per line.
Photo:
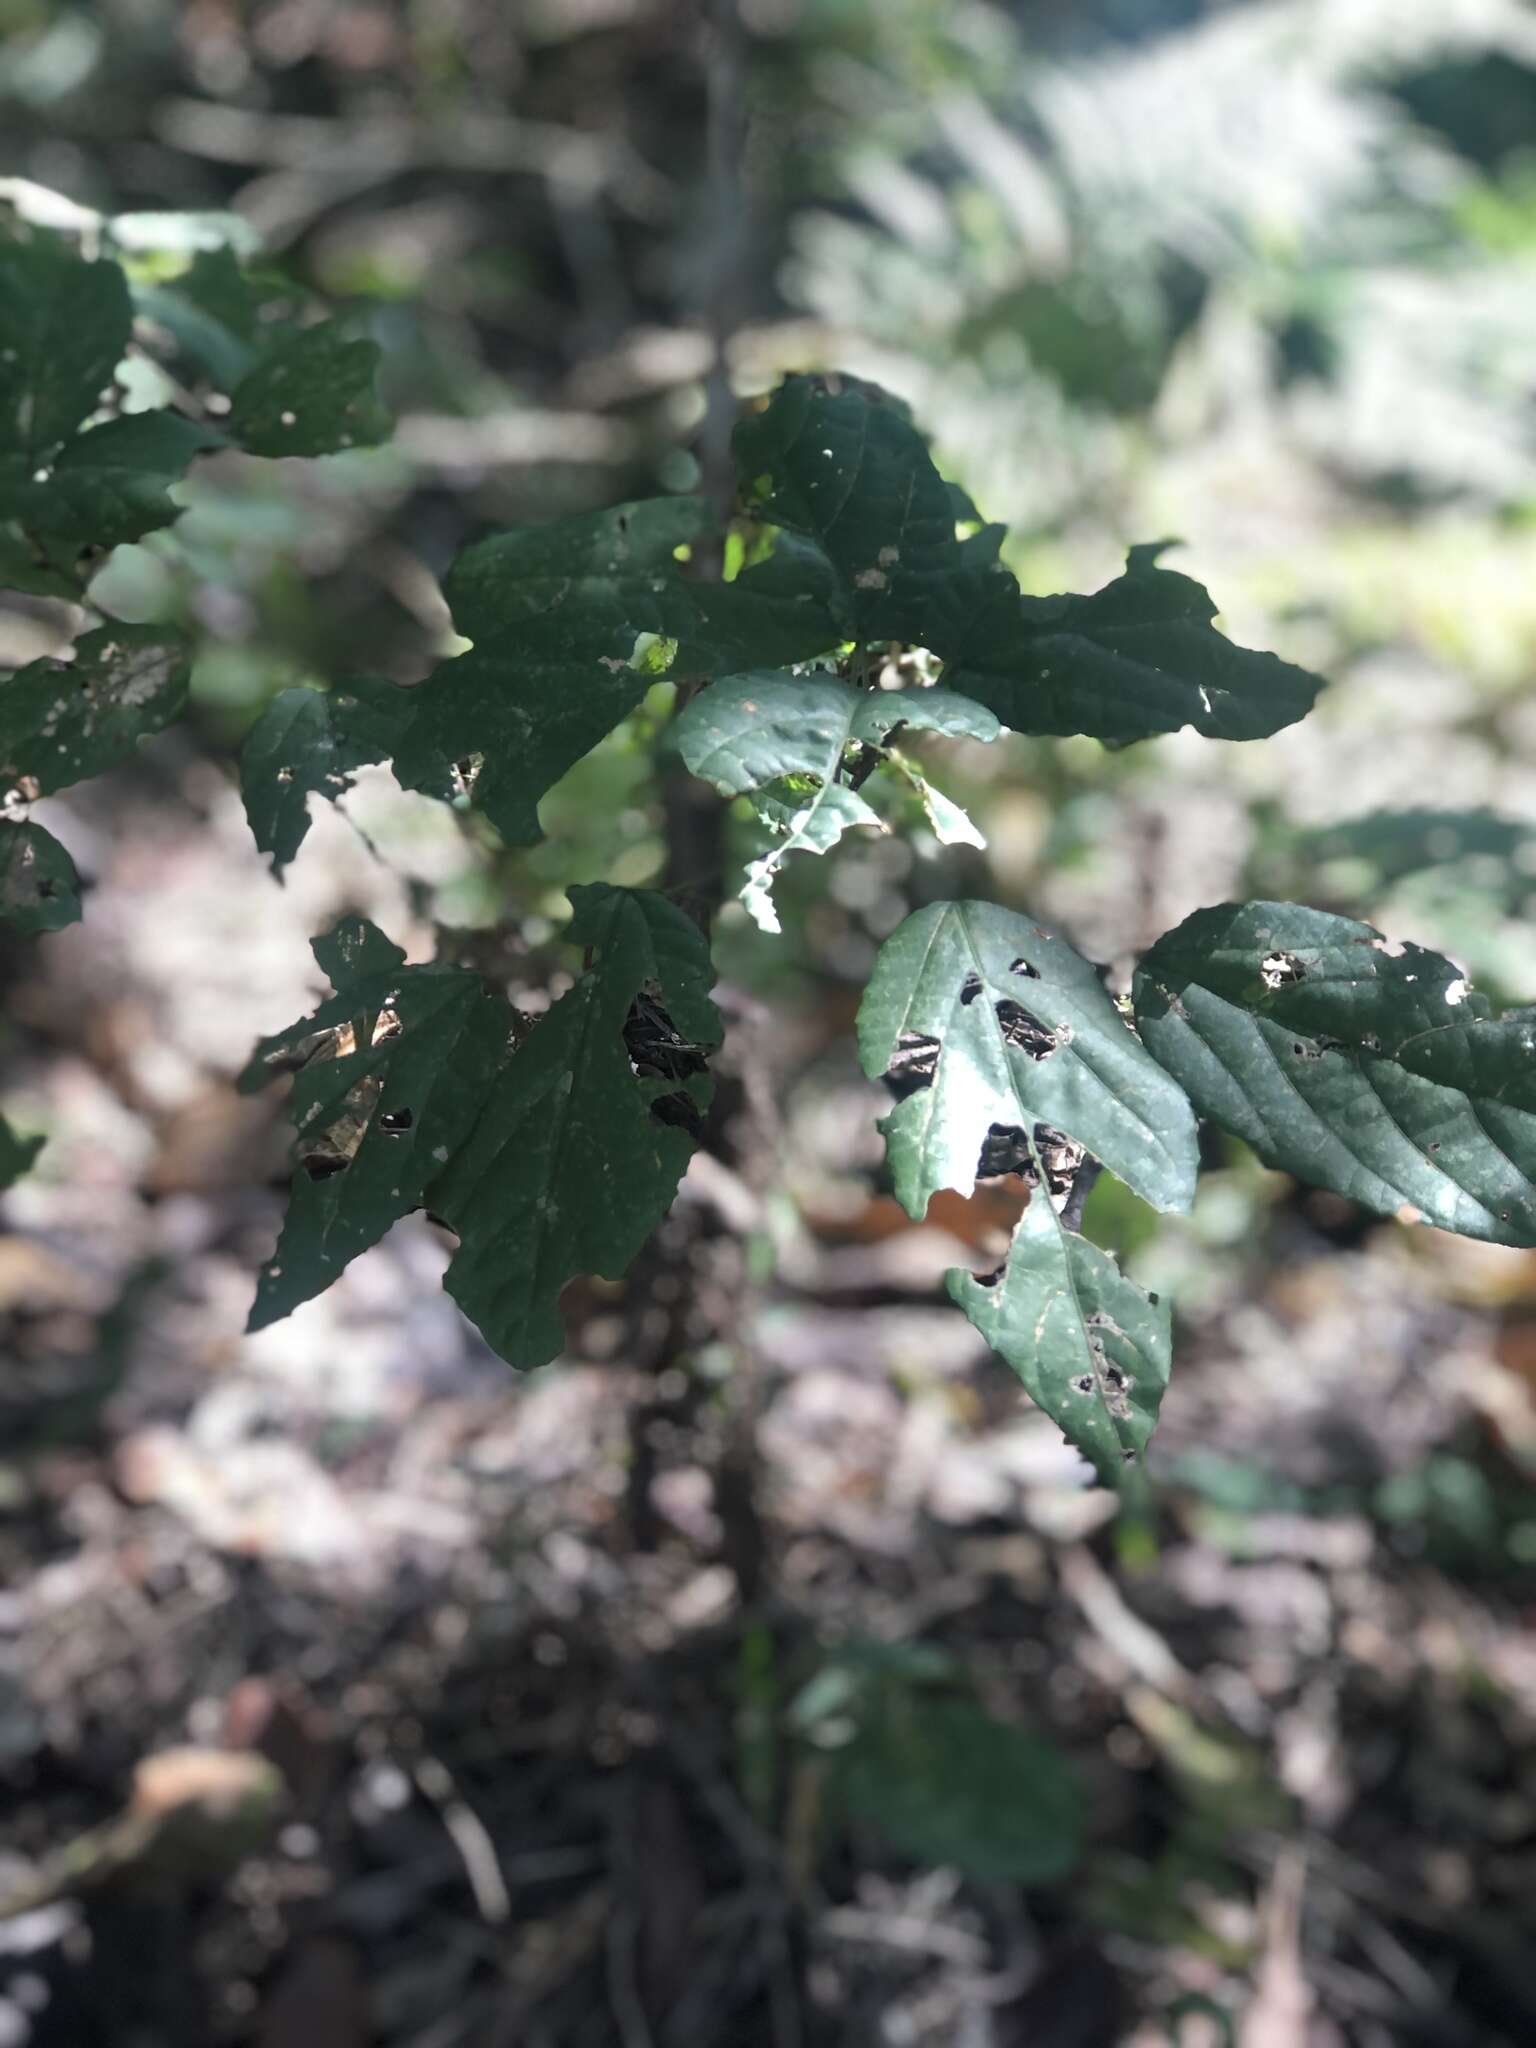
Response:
column 468, row 1834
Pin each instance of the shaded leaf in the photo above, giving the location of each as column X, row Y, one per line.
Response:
column 16, row 1154
column 61, row 721
column 64, row 325
column 111, row 483
column 1021, row 1032
column 395, row 1070
column 1138, row 657
column 840, row 463
column 39, row 889
column 569, row 1168
column 1359, row 1065
column 572, row 623
column 311, row 394
column 1091, row 1348
column 313, row 741
column 945, row 1783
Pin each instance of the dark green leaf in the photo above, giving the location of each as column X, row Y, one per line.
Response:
column 64, row 325
column 393, row 1071
column 1020, row 1031
column 16, row 1154
column 1136, row 658
column 571, row 1166
column 308, row 741
column 61, row 721
column 1091, row 1348
column 1359, row 1065
column 572, row 623
column 39, row 889
column 945, row 1783
column 838, row 462
column 312, row 394
column 110, row 484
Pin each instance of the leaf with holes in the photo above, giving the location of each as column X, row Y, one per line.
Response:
column 749, row 733
column 1092, row 1349
column 1020, row 1031
column 313, row 742
column 572, row 624
column 39, row 889
column 61, row 721
column 1357, row 1064
column 586, row 1134
column 392, row 1073
column 16, row 1154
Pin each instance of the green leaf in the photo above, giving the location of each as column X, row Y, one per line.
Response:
column 39, row 889
column 64, row 326
column 393, row 1072
column 1093, row 1351
column 945, row 1783
column 16, row 1154
column 313, row 741
column 111, row 483
column 1138, row 657
column 1357, row 1064
column 62, row 721
column 573, row 1163
column 572, row 623
column 840, row 463
column 312, row 394
column 750, row 732
column 213, row 313
column 1020, row 1031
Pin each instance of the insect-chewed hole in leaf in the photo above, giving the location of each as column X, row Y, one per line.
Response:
column 1027, row 1033
column 970, row 988
column 914, row 1064
column 658, row 1051
column 396, row 1120
column 1022, row 966
column 323, row 1164
column 1281, row 970
column 1084, row 1383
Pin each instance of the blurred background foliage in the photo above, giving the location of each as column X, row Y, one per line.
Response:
column 1260, row 276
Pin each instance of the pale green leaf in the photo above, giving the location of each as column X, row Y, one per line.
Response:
column 1020, row 1031
column 1091, row 1348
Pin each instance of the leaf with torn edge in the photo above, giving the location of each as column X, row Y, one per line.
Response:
column 392, row 1073
column 1020, row 1031
column 752, row 734
column 1092, row 1349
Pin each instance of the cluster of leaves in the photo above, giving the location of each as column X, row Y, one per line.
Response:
column 864, row 598
column 1362, row 1066
column 82, row 473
